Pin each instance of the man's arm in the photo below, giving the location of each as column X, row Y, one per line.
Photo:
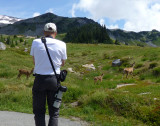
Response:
column 63, row 62
column 33, row 60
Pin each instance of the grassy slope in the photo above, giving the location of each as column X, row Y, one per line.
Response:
column 97, row 103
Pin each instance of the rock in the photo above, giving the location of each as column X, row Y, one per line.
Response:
column 123, row 85
column 144, row 93
column 71, row 70
column 155, row 99
column 26, row 50
column 90, row 66
column 74, row 104
column 2, row 46
column 117, row 62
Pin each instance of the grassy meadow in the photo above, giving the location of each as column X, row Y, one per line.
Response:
column 100, row 104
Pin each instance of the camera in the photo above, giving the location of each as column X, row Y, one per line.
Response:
column 58, row 96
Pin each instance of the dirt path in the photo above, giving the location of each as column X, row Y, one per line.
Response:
column 23, row 119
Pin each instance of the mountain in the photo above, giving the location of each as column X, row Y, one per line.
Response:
column 34, row 26
column 5, row 20
column 151, row 38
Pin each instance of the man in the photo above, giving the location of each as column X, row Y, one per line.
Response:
column 45, row 83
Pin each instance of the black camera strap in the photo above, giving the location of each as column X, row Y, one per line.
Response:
column 44, row 41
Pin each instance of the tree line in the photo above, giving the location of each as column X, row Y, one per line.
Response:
column 90, row 33
column 12, row 40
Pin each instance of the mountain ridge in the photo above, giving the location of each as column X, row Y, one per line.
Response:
column 34, row 27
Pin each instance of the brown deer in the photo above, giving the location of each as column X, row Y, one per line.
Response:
column 25, row 72
column 98, row 78
column 129, row 70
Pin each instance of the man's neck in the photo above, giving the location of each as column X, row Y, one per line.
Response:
column 49, row 36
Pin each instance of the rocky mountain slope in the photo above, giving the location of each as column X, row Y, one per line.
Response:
column 5, row 20
column 34, row 26
column 151, row 38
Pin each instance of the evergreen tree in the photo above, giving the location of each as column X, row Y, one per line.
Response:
column 1, row 39
column 15, row 36
column 12, row 44
column 126, row 43
column 21, row 40
column 117, row 42
column 8, row 40
column 90, row 33
column 16, row 43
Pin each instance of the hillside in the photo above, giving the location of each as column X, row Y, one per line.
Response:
column 151, row 38
column 101, row 103
column 34, row 26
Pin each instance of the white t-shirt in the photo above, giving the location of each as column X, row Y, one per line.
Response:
column 57, row 51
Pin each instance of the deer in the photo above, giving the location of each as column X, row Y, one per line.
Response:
column 25, row 72
column 129, row 70
column 98, row 78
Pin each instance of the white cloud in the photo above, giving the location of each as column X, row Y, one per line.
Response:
column 102, row 22
column 138, row 14
column 113, row 26
column 73, row 10
column 36, row 14
column 50, row 10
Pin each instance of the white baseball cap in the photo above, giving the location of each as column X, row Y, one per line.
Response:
column 50, row 27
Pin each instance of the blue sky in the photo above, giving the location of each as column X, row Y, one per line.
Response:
column 130, row 15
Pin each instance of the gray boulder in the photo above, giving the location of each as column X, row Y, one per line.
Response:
column 2, row 46
column 117, row 62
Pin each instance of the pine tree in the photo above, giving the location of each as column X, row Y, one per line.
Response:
column 8, row 40
column 21, row 40
column 117, row 42
column 90, row 33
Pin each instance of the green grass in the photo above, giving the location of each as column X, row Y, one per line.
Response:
column 99, row 104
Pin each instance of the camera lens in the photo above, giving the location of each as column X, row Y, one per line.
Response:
column 63, row 89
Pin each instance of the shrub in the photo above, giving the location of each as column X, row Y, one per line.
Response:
column 138, row 65
column 106, row 56
column 156, row 71
column 155, row 116
column 125, row 61
column 72, row 94
column 144, row 59
column 153, row 65
column 2, row 86
column 142, row 77
column 106, row 67
column 84, row 53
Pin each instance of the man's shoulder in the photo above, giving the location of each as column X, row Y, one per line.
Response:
column 36, row 41
column 60, row 41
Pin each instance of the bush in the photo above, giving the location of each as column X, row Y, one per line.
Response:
column 72, row 94
column 84, row 53
column 139, row 65
column 106, row 56
column 153, row 65
column 154, row 116
column 125, row 62
column 156, row 71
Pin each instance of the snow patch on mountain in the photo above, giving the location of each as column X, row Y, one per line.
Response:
column 5, row 20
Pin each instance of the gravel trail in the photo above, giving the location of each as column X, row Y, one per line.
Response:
column 23, row 119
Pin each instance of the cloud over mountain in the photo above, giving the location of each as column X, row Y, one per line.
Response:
column 138, row 15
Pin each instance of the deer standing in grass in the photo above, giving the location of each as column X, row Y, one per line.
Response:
column 25, row 72
column 98, row 78
column 129, row 70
